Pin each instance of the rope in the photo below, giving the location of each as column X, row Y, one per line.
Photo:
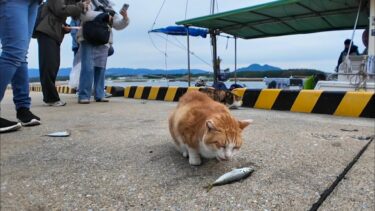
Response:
column 355, row 26
column 167, row 40
column 186, row 8
column 157, row 16
column 166, row 55
column 153, row 43
column 152, row 27
column 181, row 46
column 359, row 79
column 226, row 46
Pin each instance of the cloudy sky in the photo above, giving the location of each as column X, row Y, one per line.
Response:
column 135, row 48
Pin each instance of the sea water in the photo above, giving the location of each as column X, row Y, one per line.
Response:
column 161, row 83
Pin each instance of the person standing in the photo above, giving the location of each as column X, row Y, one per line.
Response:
column 365, row 41
column 352, row 51
column 50, row 33
column 94, row 57
column 73, row 33
column 17, row 19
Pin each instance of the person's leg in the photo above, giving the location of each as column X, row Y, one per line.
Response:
column 49, row 63
column 20, row 81
column 13, row 65
column 99, row 83
column 24, row 114
column 14, row 41
column 87, row 72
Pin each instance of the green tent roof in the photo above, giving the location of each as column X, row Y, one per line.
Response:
column 286, row 17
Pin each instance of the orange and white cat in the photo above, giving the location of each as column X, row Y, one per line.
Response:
column 203, row 127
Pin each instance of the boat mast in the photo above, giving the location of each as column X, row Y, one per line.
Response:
column 213, row 33
column 371, row 43
column 213, row 6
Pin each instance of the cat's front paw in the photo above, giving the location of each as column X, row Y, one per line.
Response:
column 195, row 161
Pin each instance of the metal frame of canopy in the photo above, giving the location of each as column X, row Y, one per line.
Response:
column 286, row 17
column 183, row 31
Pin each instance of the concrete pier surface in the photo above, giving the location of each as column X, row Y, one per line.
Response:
column 120, row 156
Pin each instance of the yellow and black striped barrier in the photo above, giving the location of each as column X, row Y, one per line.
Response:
column 116, row 91
column 340, row 103
column 65, row 90
column 35, row 88
column 157, row 93
column 355, row 104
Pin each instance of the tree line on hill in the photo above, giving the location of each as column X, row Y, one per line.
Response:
column 253, row 71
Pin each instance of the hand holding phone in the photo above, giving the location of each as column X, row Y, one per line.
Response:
column 124, row 11
column 125, row 7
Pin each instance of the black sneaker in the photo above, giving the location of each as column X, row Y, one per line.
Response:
column 27, row 118
column 7, row 126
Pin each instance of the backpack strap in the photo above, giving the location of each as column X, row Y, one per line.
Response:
column 95, row 3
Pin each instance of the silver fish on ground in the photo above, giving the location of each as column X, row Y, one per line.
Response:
column 232, row 176
column 65, row 133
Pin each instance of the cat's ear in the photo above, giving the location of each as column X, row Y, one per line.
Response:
column 210, row 125
column 244, row 123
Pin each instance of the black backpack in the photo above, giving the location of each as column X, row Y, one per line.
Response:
column 97, row 31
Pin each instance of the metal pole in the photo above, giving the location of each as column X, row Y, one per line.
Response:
column 213, row 7
column 214, row 47
column 214, row 55
column 371, row 37
column 235, row 60
column 188, row 54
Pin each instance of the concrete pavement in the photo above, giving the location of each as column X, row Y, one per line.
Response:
column 120, row 156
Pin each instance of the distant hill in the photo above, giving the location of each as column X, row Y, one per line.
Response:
column 258, row 67
column 252, row 71
column 278, row 73
column 145, row 71
column 63, row 72
column 116, row 72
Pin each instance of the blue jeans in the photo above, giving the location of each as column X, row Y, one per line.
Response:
column 17, row 19
column 90, row 74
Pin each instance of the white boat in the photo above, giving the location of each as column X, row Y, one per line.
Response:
column 284, row 83
column 356, row 73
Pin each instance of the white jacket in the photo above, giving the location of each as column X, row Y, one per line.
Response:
column 119, row 22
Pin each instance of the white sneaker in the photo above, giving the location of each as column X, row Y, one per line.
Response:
column 57, row 103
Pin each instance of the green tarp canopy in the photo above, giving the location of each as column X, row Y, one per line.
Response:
column 286, row 17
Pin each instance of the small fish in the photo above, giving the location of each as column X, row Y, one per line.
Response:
column 59, row 134
column 232, row 176
column 349, row 130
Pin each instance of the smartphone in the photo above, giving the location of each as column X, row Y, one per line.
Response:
column 125, row 7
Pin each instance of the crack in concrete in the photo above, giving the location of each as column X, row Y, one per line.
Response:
column 331, row 188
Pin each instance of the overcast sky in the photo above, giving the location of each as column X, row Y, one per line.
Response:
column 134, row 47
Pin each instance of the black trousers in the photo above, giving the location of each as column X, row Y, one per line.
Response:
column 49, row 64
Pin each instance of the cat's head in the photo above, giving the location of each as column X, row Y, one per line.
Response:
column 232, row 100
column 223, row 137
column 227, row 97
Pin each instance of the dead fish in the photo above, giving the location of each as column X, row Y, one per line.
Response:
column 59, row 134
column 349, row 130
column 232, row 176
